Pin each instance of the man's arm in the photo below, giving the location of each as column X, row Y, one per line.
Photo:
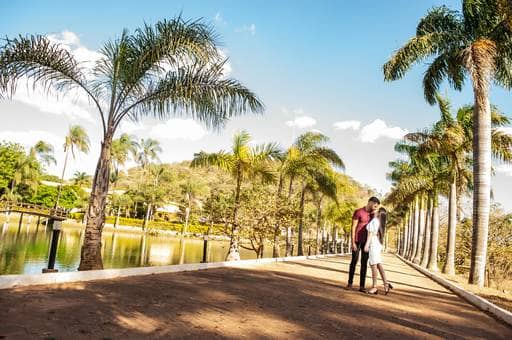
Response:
column 354, row 227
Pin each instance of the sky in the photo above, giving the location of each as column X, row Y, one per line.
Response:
column 316, row 65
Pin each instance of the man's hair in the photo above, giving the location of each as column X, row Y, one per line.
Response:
column 374, row 200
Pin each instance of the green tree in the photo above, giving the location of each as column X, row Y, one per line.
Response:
column 242, row 162
column 81, row 178
column 44, row 152
column 170, row 69
column 309, row 161
column 122, row 148
column 475, row 42
column 10, row 155
column 76, row 141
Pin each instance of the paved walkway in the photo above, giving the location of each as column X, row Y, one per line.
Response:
column 302, row 299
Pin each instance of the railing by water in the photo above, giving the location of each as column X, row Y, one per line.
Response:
column 59, row 214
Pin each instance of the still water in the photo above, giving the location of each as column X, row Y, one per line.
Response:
column 24, row 250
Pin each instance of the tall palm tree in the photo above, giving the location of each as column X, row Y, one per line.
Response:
column 146, row 151
column 172, row 68
column 76, row 140
column 44, row 151
column 309, row 161
column 243, row 162
column 122, row 148
column 451, row 138
column 475, row 42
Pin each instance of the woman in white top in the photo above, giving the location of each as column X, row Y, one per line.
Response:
column 373, row 246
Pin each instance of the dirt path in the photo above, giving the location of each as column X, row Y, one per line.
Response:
column 286, row 300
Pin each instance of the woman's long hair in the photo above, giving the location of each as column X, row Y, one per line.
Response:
column 382, row 219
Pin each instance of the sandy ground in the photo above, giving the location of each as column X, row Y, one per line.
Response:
column 294, row 300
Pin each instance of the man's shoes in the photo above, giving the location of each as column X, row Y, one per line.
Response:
column 349, row 286
column 362, row 290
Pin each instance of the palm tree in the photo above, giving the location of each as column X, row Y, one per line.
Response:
column 243, row 162
column 122, row 148
column 173, row 68
column 146, row 151
column 81, row 178
column 75, row 141
column 452, row 139
column 44, row 151
column 477, row 43
column 309, row 161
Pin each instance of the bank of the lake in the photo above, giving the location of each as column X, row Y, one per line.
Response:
column 24, row 248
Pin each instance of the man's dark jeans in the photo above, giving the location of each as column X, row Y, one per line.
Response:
column 353, row 263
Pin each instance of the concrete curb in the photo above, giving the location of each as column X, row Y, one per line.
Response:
column 12, row 281
column 475, row 300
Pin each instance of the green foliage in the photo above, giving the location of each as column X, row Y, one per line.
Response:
column 50, row 178
column 47, row 195
column 499, row 251
column 164, row 225
column 11, row 154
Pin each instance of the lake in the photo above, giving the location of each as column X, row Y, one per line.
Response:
column 24, row 250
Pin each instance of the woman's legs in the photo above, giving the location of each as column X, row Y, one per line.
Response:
column 374, row 275
column 382, row 274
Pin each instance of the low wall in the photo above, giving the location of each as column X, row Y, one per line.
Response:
column 475, row 300
column 12, row 281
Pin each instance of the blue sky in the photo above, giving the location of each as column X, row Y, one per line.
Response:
column 316, row 60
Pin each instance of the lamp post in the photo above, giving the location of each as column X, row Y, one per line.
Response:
column 56, row 225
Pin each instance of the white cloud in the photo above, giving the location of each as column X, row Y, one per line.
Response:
column 347, row 124
column 379, row 129
column 247, row 28
column 178, row 129
column 129, row 127
column 301, row 122
column 218, row 18
column 74, row 104
column 71, row 42
column 505, row 169
column 31, row 137
column 316, row 131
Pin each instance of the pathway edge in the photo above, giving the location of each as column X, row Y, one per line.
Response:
column 22, row 280
column 477, row 301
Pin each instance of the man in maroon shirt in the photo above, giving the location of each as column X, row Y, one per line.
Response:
column 360, row 219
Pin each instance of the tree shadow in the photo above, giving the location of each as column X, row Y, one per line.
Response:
column 288, row 301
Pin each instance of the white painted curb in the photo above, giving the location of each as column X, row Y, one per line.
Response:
column 12, row 281
column 475, row 300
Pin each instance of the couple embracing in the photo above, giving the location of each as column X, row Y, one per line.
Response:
column 368, row 228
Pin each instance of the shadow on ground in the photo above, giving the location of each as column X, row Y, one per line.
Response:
column 285, row 300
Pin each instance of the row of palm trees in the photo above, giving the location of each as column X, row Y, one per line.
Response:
column 438, row 163
column 474, row 43
column 307, row 162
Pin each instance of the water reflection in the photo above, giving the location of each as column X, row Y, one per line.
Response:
column 24, row 248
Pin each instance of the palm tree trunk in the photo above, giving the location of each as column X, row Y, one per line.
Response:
column 398, row 235
column 90, row 256
column 414, row 233
column 482, row 61
column 405, row 242
column 116, row 223
column 335, row 239
column 301, row 220
column 59, row 192
column 234, row 251
column 146, row 217
column 428, row 227
column 421, row 230
column 434, row 235
column 277, row 227
column 449, row 265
